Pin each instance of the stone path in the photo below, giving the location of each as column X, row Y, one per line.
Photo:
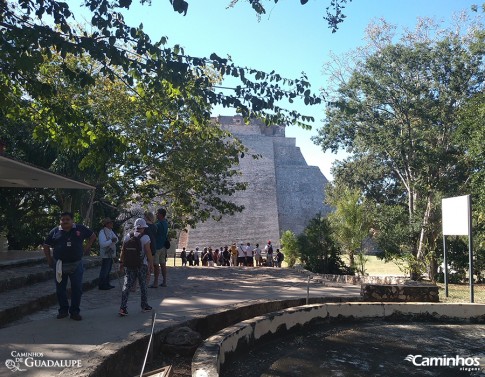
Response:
column 191, row 291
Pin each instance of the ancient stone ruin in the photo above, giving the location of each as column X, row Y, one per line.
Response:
column 284, row 193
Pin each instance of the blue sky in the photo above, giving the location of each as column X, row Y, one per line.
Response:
column 290, row 38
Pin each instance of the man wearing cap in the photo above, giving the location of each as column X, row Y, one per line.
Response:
column 67, row 242
column 107, row 250
column 132, row 274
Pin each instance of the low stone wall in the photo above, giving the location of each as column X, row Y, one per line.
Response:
column 357, row 279
column 210, row 357
column 354, row 279
column 400, row 292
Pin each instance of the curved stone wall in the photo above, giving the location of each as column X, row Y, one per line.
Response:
column 120, row 359
column 210, row 357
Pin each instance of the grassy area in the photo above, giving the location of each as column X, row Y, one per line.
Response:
column 375, row 266
column 461, row 293
column 456, row 292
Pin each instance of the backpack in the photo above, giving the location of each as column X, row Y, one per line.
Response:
column 132, row 256
column 270, row 249
column 166, row 245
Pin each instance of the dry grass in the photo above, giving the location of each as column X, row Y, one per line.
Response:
column 456, row 292
column 461, row 293
column 376, row 267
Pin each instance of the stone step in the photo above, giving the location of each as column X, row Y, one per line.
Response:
column 19, row 274
column 22, row 300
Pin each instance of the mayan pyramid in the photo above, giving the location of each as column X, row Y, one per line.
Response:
column 283, row 193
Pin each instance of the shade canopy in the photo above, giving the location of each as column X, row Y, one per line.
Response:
column 20, row 175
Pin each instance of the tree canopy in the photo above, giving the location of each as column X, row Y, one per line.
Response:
column 134, row 147
column 32, row 30
column 333, row 13
column 129, row 115
column 397, row 115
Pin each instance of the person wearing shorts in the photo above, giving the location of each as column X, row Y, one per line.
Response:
column 160, row 257
column 241, row 255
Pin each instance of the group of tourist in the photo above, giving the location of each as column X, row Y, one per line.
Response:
column 144, row 251
column 242, row 255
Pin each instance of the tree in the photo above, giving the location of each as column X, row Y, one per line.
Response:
column 471, row 137
column 26, row 215
column 398, row 110
column 133, row 146
column 289, row 245
column 334, row 12
column 318, row 250
column 137, row 104
column 350, row 221
column 32, row 30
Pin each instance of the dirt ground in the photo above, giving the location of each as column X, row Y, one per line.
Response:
column 180, row 364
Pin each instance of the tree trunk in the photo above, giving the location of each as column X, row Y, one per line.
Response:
column 66, row 201
column 433, row 268
column 351, row 259
column 424, row 229
column 87, row 210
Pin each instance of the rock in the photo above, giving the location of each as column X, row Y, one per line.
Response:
column 183, row 336
column 182, row 340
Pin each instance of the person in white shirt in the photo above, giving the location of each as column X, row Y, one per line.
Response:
column 241, row 255
column 134, row 273
column 269, row 254
column 107, row 250
column 257, row 255
column 196, row 257
column 249, row 255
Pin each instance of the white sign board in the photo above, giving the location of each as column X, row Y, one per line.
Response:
column 456, row 215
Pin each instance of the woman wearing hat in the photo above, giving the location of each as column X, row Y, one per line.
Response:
column 107, row 250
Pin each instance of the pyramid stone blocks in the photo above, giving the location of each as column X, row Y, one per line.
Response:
column 283, row 191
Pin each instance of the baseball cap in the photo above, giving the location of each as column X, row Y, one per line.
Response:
column 140, row 223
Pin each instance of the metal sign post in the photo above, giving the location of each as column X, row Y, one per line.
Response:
column 457, row 221
column 470, row 248
column 445, row 261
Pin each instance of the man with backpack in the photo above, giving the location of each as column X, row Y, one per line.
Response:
column 136, row 260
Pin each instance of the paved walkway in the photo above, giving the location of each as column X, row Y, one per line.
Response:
column 190, row 292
